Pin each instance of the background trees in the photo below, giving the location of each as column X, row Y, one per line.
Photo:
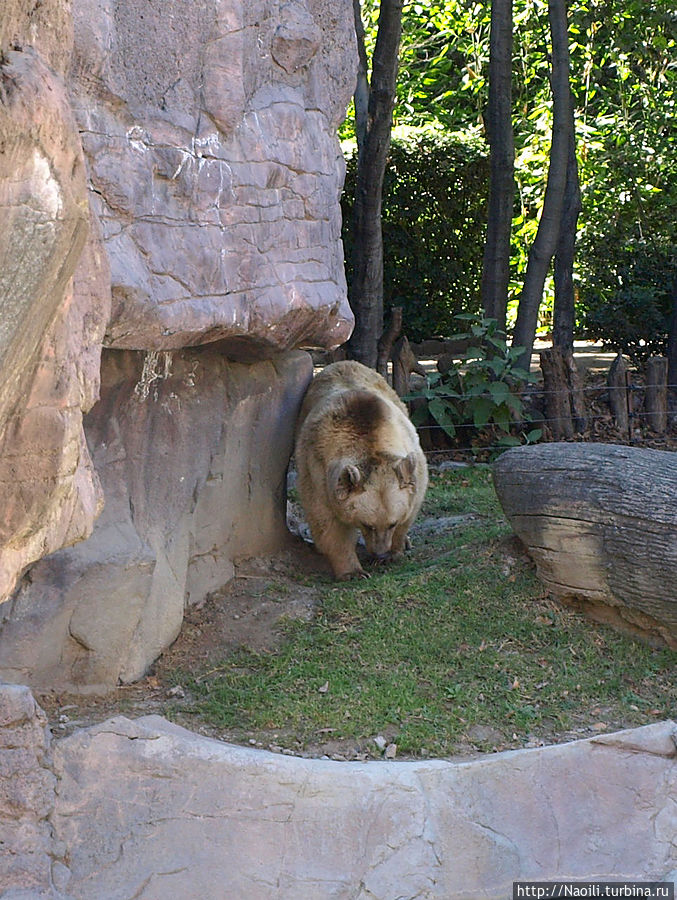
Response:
column 496, row 262
column 623, row 74
column 374, row 109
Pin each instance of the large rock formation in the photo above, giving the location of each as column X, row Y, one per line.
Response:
column 209, row 136
column 192, row 450
column 146, row 809
column 51, row 324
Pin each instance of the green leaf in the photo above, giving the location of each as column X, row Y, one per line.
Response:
column 482, row 410
column 499, row 391
column 440, row 411
column 515, row 403
column 501, row 417
column 508, row 440
column 419, row 415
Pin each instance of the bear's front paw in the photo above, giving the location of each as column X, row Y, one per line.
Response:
column 352, row 575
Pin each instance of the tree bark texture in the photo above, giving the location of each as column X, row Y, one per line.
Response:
column 362, row 84
column 617, row 384
column 600, row 522
column 564, row 313
column 496, row 263
column 565, row 406
column 672, row 350
column 387, row 339
column 404, row 363
column 547, row 235
column 579, row 406
column 656, row 398
column 366, row 294
column 556, row 393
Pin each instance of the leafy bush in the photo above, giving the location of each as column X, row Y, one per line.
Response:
column 627, row 298
column 434, row 219
column 482, row 390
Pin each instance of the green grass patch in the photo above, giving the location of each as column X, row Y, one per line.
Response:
column 456, row 639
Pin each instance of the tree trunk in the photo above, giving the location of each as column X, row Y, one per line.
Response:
column 547, row 235
column 387, row 339
column 672, row 352
column 564, row 314
column 496, row 263
column 599, row 520
column 556, row 393
column 366, row 295
column 362, row 84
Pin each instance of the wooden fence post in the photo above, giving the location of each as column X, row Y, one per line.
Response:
column 404, row 363
column 618, row 394
column 656, row 399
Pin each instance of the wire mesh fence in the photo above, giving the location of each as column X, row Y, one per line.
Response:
column 472, row 442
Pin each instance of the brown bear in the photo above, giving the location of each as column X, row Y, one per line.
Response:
column 360, row 466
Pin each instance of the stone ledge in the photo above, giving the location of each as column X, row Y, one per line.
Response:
column 146, row 809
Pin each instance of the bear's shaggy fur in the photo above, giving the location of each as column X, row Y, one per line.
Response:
column 360, row 466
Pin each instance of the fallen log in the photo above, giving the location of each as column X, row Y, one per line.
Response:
column 600, row 522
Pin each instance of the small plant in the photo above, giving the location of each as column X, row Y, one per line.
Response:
column 482, row 390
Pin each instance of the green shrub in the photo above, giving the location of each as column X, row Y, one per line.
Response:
column 434, row 220
column 626, row 297
column 480, row 391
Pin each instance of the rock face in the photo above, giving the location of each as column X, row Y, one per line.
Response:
column 30, row 859
column 207, row 134
column 210, row 135
column 52, row 314
column 600, row 521
column 187, row 492
column 148, row 810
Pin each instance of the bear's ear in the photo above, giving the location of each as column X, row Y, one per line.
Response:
column 343, row 477
column 406, row 471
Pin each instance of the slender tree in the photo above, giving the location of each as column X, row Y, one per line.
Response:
column 564, row 312
column 672, row 351
column 547, row 236
column 361, row 97
column 496, row 263
column 366, row 294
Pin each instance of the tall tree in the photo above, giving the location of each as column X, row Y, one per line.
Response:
column 547, row 236
column 496, row 263
column 564, row 310
column 672, row 351
column 366, row 294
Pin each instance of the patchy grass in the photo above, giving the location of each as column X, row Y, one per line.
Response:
column 455, row 650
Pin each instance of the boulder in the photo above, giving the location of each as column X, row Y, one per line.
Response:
column 192, row 451
column 600, row 522
column 210, row 136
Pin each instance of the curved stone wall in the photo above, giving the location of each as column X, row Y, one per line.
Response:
column 148, row 810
